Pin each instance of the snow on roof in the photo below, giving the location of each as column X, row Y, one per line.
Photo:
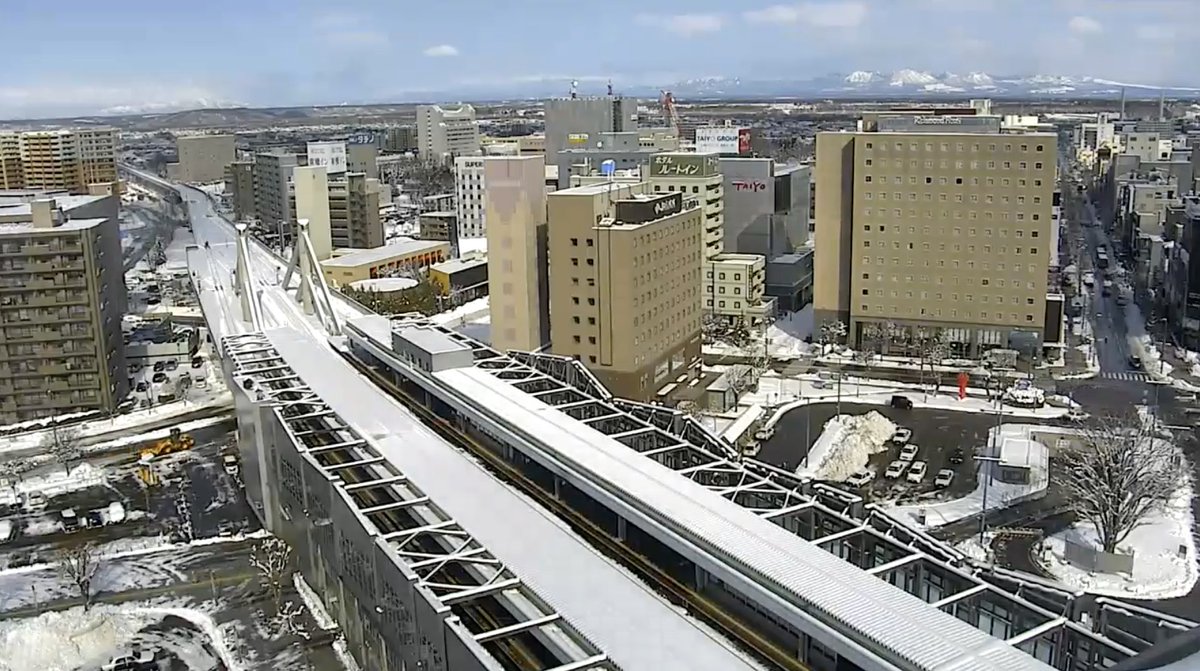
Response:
column 398, row 247
column 792, row 568
column 385, row 284
column 1022, row 452
column 68, row 225
column 633, row 625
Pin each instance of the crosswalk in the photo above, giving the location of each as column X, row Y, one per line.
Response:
column 1127, row 375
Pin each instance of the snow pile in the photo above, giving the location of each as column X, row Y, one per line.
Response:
column 1164, row 564
column 69, row 639
column 786, row 336
column 58, row 481
column 973, row 549
column 313, row 603
column 463, row 314
column 206, row 624
column 846, row 445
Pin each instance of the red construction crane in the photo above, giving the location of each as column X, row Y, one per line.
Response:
column 672, row 115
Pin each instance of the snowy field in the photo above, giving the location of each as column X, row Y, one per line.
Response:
column 846, row 445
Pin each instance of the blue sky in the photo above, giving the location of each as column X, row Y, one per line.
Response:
column 87, row 57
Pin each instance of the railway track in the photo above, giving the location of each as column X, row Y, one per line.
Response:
column 676, row 592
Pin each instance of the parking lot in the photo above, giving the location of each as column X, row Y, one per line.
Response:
column 936, row 432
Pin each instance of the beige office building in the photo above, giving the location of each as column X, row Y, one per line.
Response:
column 58, row 160
column 61, row 279
column 446, row 132
column 936, row 224
column 625, row 279
column 202, row 158
column 239, row 184
column 517, row 243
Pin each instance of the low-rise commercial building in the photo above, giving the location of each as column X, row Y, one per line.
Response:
column 462, row 279
column 400, row 258
column 62, row 297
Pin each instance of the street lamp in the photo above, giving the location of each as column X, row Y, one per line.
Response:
column 992, row 457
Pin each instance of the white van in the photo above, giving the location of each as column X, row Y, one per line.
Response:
column 6, row 531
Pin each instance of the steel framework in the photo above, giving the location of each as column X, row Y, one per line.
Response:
column 443, row 555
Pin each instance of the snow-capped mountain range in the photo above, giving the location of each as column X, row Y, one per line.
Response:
column 908, row 82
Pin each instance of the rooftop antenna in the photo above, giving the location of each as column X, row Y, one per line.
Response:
column 574, row 89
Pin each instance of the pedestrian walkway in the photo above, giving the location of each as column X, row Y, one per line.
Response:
column 1127, row 375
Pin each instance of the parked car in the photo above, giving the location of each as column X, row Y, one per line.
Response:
column 172, row 364
column 1135, row 362
column 6, row 531
column 35, row 502
column 916, row 472
column 1076, row 415
column 957, row 456
column 70, row 521
column 197, row 361
column 895, row 469
column 944, row 478
column 860, row 478
column 908, row 452
column 901, row 436
column 901, row 403
column 230, row 461
column 159, row 378
column 159, row 366
column 129, row 661
column 141, row 386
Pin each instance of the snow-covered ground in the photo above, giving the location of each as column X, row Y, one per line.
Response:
column 846, row 445
column 93, row 431
column 785, row 338
column 1164, row 547
column 471, row 318
column 787, row 392
column 1013, row 438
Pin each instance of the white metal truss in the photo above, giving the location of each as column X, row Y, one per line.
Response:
column 446, row 558
column 830, row 518
column 243, row 283
column 312, row 292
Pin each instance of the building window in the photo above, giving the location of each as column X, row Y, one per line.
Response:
column 576, row 338
column 574, row 242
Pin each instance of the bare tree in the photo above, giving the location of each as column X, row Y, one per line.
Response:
column 831, row 332
column 932, row 350
column 272, row 559
column 289, row 621
column 1117, row 475
column 62, row 442
column 15, row 468
column 78, row 564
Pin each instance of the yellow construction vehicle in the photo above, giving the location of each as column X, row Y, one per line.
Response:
column 176, row 442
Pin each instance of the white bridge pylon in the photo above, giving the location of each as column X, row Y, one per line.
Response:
column 312, row 292
column 243, row 282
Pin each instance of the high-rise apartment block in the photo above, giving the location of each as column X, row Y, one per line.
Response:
column 577, row 123
column 447, row 132
column 936, row 222
column 58, row 160
column 354, row 218
column 272, row 173
column 625, row 279
column 733, row 283
column 202, row 158
column 63, row 298
column 239, row 184
column 400, row 139
column 469, row 192
column 517, row 245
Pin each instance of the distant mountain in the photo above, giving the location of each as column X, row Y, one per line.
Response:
column 915, row 83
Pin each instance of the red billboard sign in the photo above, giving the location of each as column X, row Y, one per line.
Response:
column 744, row 141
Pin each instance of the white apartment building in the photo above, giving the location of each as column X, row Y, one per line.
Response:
column 1148, row 146
column 469, row 193
column 447, row 132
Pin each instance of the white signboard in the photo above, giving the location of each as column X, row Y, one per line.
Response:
column 331, row 155
column 720, row 140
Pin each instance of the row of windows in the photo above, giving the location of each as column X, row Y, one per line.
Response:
column 958, row 165
column 970, row 265
column 937, row 312
column 956, row 232
column 912, row 195
column 924, row 295
column 985, row 249
column 946, row 146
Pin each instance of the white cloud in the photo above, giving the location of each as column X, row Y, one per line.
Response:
column 687, row 25
column 441, row 51
column 1084, row 25
column 842, row 14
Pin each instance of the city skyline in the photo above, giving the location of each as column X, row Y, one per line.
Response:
column 140, row 60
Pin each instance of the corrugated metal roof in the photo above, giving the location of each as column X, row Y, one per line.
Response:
column 876, row 613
